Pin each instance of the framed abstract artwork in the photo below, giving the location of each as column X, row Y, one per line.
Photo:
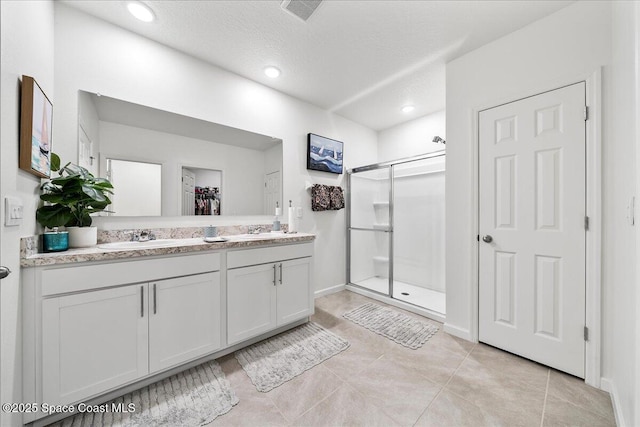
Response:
column 324, row 154
column 36, row 119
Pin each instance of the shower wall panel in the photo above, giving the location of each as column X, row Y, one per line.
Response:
column 419, row 230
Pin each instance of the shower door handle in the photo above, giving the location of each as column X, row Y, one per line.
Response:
column 487, row 238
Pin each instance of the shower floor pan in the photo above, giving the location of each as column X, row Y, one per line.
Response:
column 425, row 298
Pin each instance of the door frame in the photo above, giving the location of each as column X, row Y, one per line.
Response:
column 593, row 182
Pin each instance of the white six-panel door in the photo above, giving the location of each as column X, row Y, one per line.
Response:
column 271, row 192
column 532, row 230
column 188, row 192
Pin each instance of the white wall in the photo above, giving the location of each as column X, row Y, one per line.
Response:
column 208, row 178
column 622, row 361
column 637, row 207
column 575, row 40
column 98, row 57
column 412, row 138
column 242, row 168
column 569, row 44
column 27, row 49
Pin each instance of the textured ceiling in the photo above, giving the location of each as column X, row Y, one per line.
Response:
column 363, row 60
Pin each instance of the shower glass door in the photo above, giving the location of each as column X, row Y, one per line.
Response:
column 418, row 233
column 369, row 228
column 395, row 238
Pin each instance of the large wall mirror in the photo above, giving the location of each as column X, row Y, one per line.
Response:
column 163, row 163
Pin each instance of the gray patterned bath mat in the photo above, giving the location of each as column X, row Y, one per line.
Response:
column 194, row 397
column 396, row 326
column 276, row 360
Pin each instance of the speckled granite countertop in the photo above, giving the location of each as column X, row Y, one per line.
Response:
column 30, row 259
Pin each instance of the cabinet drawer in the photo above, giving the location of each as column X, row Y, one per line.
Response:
column 246, row 257
column 80, row 278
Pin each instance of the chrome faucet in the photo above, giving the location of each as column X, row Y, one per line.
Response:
column 255, row 229
column 142, row 236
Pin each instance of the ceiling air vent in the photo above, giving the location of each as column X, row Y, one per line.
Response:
column 303, row 9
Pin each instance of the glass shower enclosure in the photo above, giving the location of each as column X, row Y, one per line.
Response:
column 395, row 232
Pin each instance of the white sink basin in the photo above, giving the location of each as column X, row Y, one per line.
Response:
column 150, row 244
column 259, row 236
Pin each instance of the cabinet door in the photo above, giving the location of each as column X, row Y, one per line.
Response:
column 294, row 290
column 251, row 301
column 184, row 319
column 93, row 342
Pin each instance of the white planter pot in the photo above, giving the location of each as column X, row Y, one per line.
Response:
column 82, row 237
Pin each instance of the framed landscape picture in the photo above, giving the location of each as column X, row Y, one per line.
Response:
column 36, row 119
column 324, row 154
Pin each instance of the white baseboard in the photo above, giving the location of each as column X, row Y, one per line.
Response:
column 456, row 331
column 607, row 385
column 329, row 291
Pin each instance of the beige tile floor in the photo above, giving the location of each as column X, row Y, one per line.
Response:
column 447, row 382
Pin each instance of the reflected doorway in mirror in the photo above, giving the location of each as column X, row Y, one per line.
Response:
column 201, row 194
column 139, row 187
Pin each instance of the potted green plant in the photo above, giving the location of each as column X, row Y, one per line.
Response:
column 73, row 196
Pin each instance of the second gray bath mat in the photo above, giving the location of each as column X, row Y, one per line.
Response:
column 396, row 326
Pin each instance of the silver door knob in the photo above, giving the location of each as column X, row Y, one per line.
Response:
column 4, row 272
column 487, row 239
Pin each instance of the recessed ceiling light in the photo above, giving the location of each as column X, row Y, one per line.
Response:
column 408, row 108
column 272, row 72
column 141, row 11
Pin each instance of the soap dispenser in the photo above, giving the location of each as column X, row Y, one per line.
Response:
column 276, row 219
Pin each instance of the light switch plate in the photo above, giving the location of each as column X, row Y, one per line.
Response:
column 299, row 212
column 13, row 211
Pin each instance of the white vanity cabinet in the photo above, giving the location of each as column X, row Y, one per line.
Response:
column 95, row 341
column 92, row 342
column 184, row 319
column 97, row 329
column 294, row 293
column 105, row 325
column 267, row 288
